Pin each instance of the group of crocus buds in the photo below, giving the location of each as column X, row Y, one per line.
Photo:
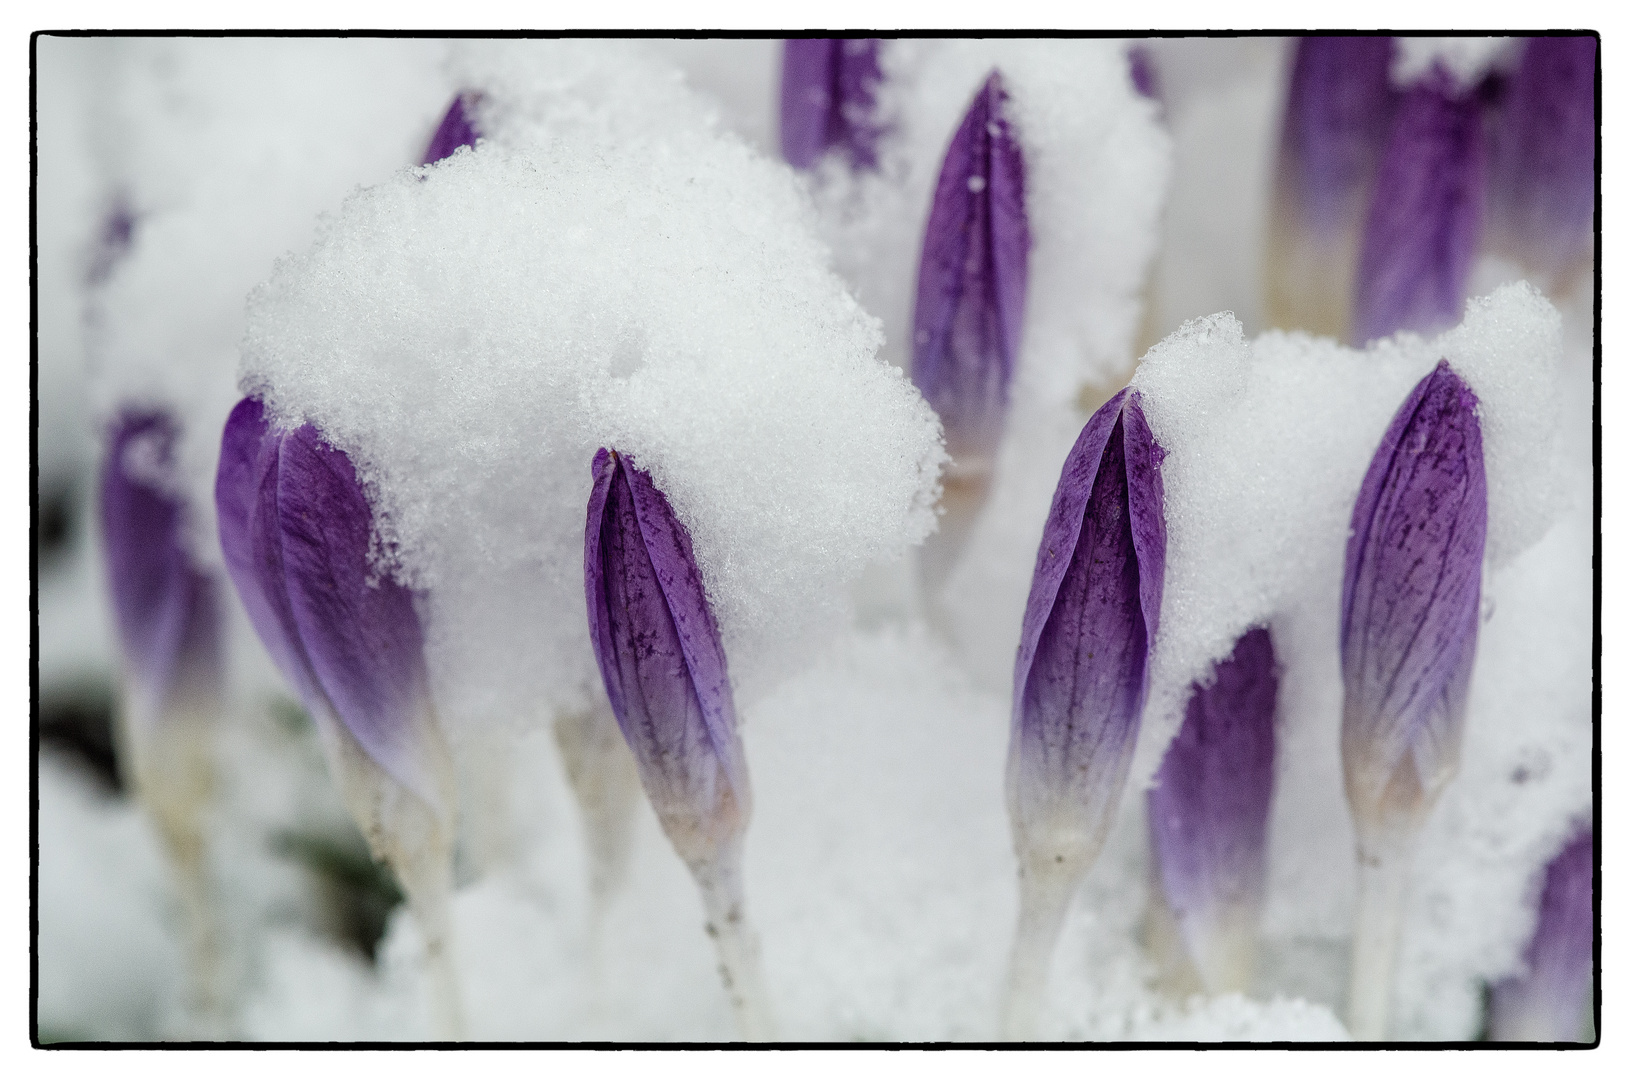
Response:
column 1386, row 196
column 664, row 669
column 1080, row 678
column 167, row 610
column 1550, row 999
column 297, row 534
column 1410, row 611
column 970, row 311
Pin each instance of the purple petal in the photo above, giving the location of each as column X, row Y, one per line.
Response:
column 1081, row 674
column 1410, row 597
column 113, row 242
column 1543, row 182
column 165, row 608
column 661, row 658
column 972, row 278
column 456, row 129
column 1209, row 808
column 1550, row 1000
column 829, row 89
column 1338, row 106
column 1426, row 215
column 359, row 628
column 1141, row 68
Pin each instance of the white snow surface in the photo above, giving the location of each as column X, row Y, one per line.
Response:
column 607, row 269
column 1466, row 59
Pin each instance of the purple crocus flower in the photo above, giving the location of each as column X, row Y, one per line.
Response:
column 165, row 607
column 1083, row 665
column 1427, row 213
column 1550, row 1000
column 1543, row 174
column 296, row 531
column 660, row 655
column 456, row 129
column 829, row 88
column 1410, row 596
column 1081, row 677
column 1141, row 68
column 972, row 278
column 1209, row 809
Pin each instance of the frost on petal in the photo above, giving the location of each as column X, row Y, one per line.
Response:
column 1081, row 674
column 1426, row 214
column 1550, row 999
column 829, row 90
column 165, row 608
column 456, row 129
column 1209, row 808
column 359, row 628
column 1544, row 167
column 660, row 656
column 972, row 278
column 1410, row 599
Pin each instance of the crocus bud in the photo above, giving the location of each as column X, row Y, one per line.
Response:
column 1081, row 676
column 660, row 655
column 1550, row 1000
column 296, row 532
column 663, row 664
column 1141, row 69
column 1338, row 105
column 971, row 279
column 1209, row 811
column 165, row 607
column 456, row 129
column 1410, row 597
column 829, row 88
column 1543, row 173
column 1426, row 215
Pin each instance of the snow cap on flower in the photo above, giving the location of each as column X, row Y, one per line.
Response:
column 1426, row 214
column 972, row 278
column 1082, row 671
column 458, row 128
column 1543, row 182
column 1209, row 808
column 165, row 607
column 1410, row 602
column 1549, row 1000
column 297, row 535
column 829, row 88
column 660, row 655
column 1338, row 106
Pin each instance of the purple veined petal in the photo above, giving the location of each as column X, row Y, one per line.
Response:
column 1209, row 807
column 166, row 609
column 1544, row 167
column 1081, row 674
column 359, row 627
column 457, row 129
column 1410, row 599
column 829, row 93
column 1426, row 216
column 1338, row 107
column 972, row 278
column 1549, row 1001
column 660, row 656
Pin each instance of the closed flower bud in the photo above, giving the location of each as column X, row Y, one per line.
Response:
column 1550, row 999
column 829, row 88
column 1209, row 812
column 1426, row 215
column 458, row 128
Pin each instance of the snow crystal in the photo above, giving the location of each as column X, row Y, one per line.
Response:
column 605, row 269
column 1467, row 59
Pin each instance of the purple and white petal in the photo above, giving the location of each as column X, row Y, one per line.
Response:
column 1550, row 1000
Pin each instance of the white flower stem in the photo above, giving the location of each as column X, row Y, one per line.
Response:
column 1384, row 870
column 720, row 880
column 1044, row 898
